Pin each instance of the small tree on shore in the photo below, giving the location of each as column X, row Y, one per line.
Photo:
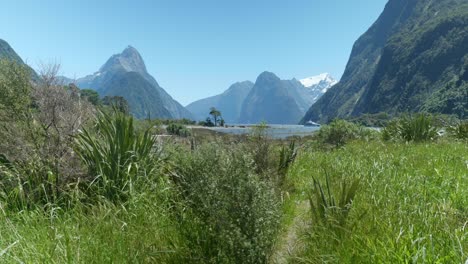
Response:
column 216, row 114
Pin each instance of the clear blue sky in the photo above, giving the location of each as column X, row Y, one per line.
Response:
column 194, row 48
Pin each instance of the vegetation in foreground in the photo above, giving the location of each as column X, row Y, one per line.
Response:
column 94, row 188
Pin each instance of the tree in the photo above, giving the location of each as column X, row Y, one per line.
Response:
column 91, row 95
column 208, row 122
column 216, row 114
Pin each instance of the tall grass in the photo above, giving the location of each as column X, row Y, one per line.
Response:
column 329, row 209
column 459, row 131
column 138, row 231
column 410, row 206
column 287, row 156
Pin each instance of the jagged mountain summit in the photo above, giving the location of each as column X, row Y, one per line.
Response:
column 275, row 101
column 125, row 75
column 318, row 85
column 413, row 58
column 229, row 103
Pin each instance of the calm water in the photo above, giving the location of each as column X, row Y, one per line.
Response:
column 274, row 131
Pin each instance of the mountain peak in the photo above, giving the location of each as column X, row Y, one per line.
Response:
column 129, row 60
column 267, row 77
column 323, row 78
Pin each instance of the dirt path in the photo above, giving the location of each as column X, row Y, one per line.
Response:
column 290, row 244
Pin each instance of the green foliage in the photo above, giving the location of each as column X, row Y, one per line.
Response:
column 371, row 120
column 409, row 60
column 216, row 114
column 339, row 132
column 331, row 210
column 206, row 123
column 116, row 155
column 178, row 130
column 183, row 121
column 92, row 96
column 410, row 206
column 411, row 128
column 139, row 231
column 460, row 130
column 228, row 214
column 117, row 102
column 15, row 90
column 287, row 156
column 260, row 148
column 28, row 184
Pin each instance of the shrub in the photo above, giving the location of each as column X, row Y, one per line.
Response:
column 260, row 148
column 460, row 130
column 178, row 130
column 115, row 154
column 338, row 132
column 37, row 136
column 392, row 131
column 414, row 128
column 227, row 214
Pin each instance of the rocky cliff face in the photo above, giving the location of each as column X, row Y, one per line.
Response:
column 413, row 58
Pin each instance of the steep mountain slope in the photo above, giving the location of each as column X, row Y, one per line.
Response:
column 272, row 100
column 413, row 58
column 229, row 102
column 7, row 52
column 125, row 75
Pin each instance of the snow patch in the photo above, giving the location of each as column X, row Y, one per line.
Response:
column 326, row 78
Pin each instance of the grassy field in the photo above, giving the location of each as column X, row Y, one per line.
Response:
column 411, row 205
column 223, row 199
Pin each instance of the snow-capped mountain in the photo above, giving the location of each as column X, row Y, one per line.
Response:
column 319, row 84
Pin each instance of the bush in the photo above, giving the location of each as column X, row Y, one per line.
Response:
column 116, row 155
column 227, row 214
column 178, row 130
column 260, row 148
column 460, row 130
column 338, row 132
column 38, row 123
column 411, row 128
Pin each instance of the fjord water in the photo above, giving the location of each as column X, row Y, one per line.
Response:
column 274, row 131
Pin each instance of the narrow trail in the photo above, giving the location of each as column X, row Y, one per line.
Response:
column 291, row 244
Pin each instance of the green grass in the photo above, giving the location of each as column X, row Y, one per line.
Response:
column 140, row 231
column 366, row 201
column 411, row 206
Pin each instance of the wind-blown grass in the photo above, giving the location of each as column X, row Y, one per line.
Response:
column 410, row 206
column 139, row 231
